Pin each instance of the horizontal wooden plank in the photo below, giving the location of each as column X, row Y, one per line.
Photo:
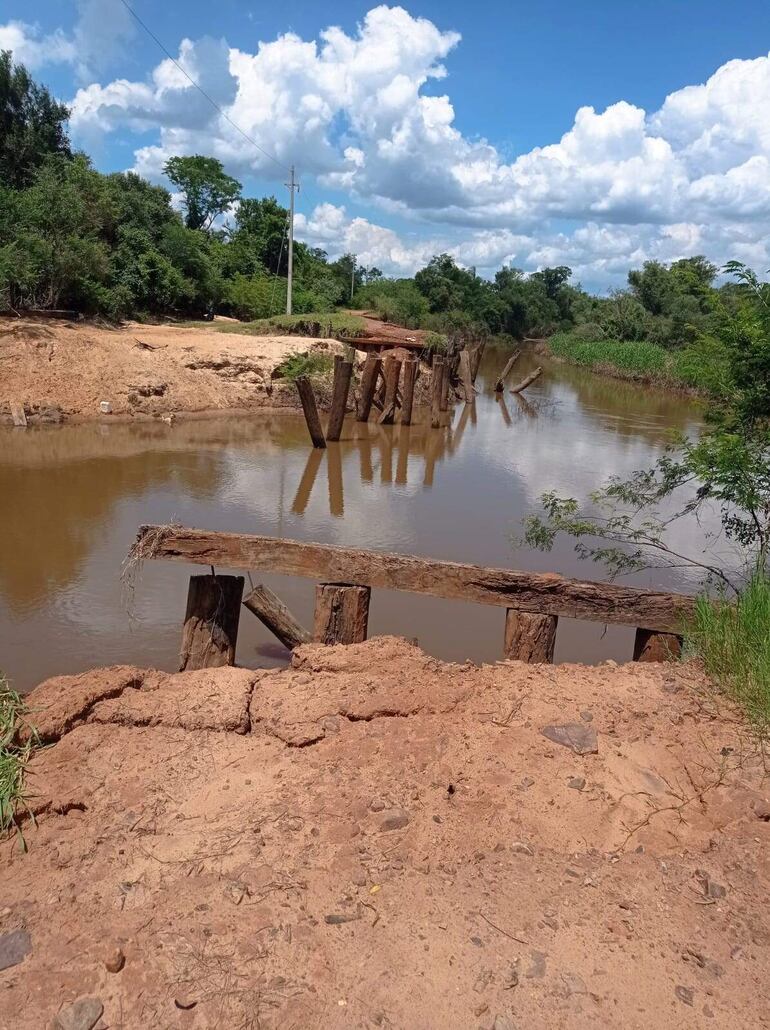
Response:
column 546, row 593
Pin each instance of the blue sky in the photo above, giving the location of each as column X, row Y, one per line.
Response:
column 417, row 128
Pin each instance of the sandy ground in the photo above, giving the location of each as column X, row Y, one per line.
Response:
column 375, row 839
column 67, row 368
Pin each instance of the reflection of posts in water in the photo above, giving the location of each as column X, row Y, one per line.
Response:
column 526, row 408
column 364, row 442
column 404, row 438
column 334, row 468
column 461, row 424
column 472, row 406
column 504, row 408
column 385, row 442
column 305, row 487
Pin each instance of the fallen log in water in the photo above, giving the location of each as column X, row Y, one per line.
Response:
column 527, row 381
column 273, row 613
column 504, row 374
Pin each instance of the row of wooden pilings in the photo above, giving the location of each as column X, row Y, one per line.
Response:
column 384, row 389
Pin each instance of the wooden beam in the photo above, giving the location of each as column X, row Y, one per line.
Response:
column 211, row 622
column 310, row 408
column 529, row 637
column 273, row 613
column 343, row 370
column 392, row 376
column 545, row 593
column 476, row 355
column 656, row 647
column 369, row 378
column 504, row 374
column 410, row 377
column 341, row 613
column 437, row 391
column 527, row 380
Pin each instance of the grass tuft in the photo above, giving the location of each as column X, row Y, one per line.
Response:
column 308, row 363
column 336, row 324
column 14, row 755
column 733, row 641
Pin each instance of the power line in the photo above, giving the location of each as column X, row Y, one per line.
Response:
column 202, row 91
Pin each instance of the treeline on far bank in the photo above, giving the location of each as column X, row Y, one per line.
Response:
column 117, row 246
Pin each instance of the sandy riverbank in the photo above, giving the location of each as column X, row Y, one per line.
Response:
column 373, row 838
column 64, row 370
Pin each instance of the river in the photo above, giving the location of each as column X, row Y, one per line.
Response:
column 74, row 497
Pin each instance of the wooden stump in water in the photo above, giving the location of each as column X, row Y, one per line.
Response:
column 343, row 371
column 656, row 647
column 476, row 355
column 508, row 366
column 310, row 408
column 466, row 378
column 392, row 376
column 341, row 613
column 273, row 613
column 369, row 378
column 436, row 393
column 410, row 377
column 211, row 622
column 529, row 637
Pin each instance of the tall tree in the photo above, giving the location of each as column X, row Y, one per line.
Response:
column 31, row 124
column 207, row 189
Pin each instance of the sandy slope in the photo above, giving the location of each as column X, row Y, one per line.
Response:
column 72, row 366
column 375, row 839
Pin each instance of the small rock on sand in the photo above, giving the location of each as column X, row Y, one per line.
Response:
column 83, row 1014
column 395, row 819
column 14, row 948
column 579, row 737
column 684, row 994
column 114, row 960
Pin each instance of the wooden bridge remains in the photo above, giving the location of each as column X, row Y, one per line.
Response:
column 533, row 602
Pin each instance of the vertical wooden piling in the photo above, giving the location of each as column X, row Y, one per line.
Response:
column 436, row 391
column 656, row 647
column 343, row 370
column 392, row 375
column 410, row 377
column 465, row 377
column 445, row 385
column 369, row 378
column 211, row 622
column 341, row 613
column 529, row 637
column 310, row 408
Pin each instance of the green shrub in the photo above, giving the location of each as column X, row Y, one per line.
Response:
column 310, row 363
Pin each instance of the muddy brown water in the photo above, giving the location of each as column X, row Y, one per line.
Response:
column 75, row 495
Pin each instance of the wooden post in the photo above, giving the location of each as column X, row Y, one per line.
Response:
column 211, row 622
column 341, row 613
column 656, row 647
column 465, row 376
column 392, row 375
column 436, row 391
column 527, row 380
column 476, row 355
column 273, row 613
column 18, row 415
column 445, row 383
column 410, row 376
column 369, row 378
column 343, row 370
column 508, row 366
column 529, row 637
column 306, row 395
column 306, row 483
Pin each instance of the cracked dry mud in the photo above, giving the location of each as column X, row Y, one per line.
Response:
column 375, row 838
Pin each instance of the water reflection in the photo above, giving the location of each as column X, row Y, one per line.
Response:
column 459, row 492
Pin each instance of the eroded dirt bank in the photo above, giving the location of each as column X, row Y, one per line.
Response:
column 66, row 369
column 376, row 839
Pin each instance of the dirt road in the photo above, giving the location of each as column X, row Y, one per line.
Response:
column 375, row 839
column 66, row 369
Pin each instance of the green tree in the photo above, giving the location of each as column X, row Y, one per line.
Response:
column 31, row 124
column 207, row 189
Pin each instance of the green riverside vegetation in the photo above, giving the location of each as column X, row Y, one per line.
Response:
column 14, row 756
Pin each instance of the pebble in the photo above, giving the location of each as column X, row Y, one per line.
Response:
column 520, row 848
column 587, row 716
column 502, row 1023
column 185, row 1002
column 576, row 782
column 762, row 810
column 83, row 1014
column 114, row 960
column 396, row 819
column 536, row 969
column 14, row 948
column 377, row 805
column 684, row 994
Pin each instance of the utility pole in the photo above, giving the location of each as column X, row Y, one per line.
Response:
column 353, row 279
column 292, row 186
